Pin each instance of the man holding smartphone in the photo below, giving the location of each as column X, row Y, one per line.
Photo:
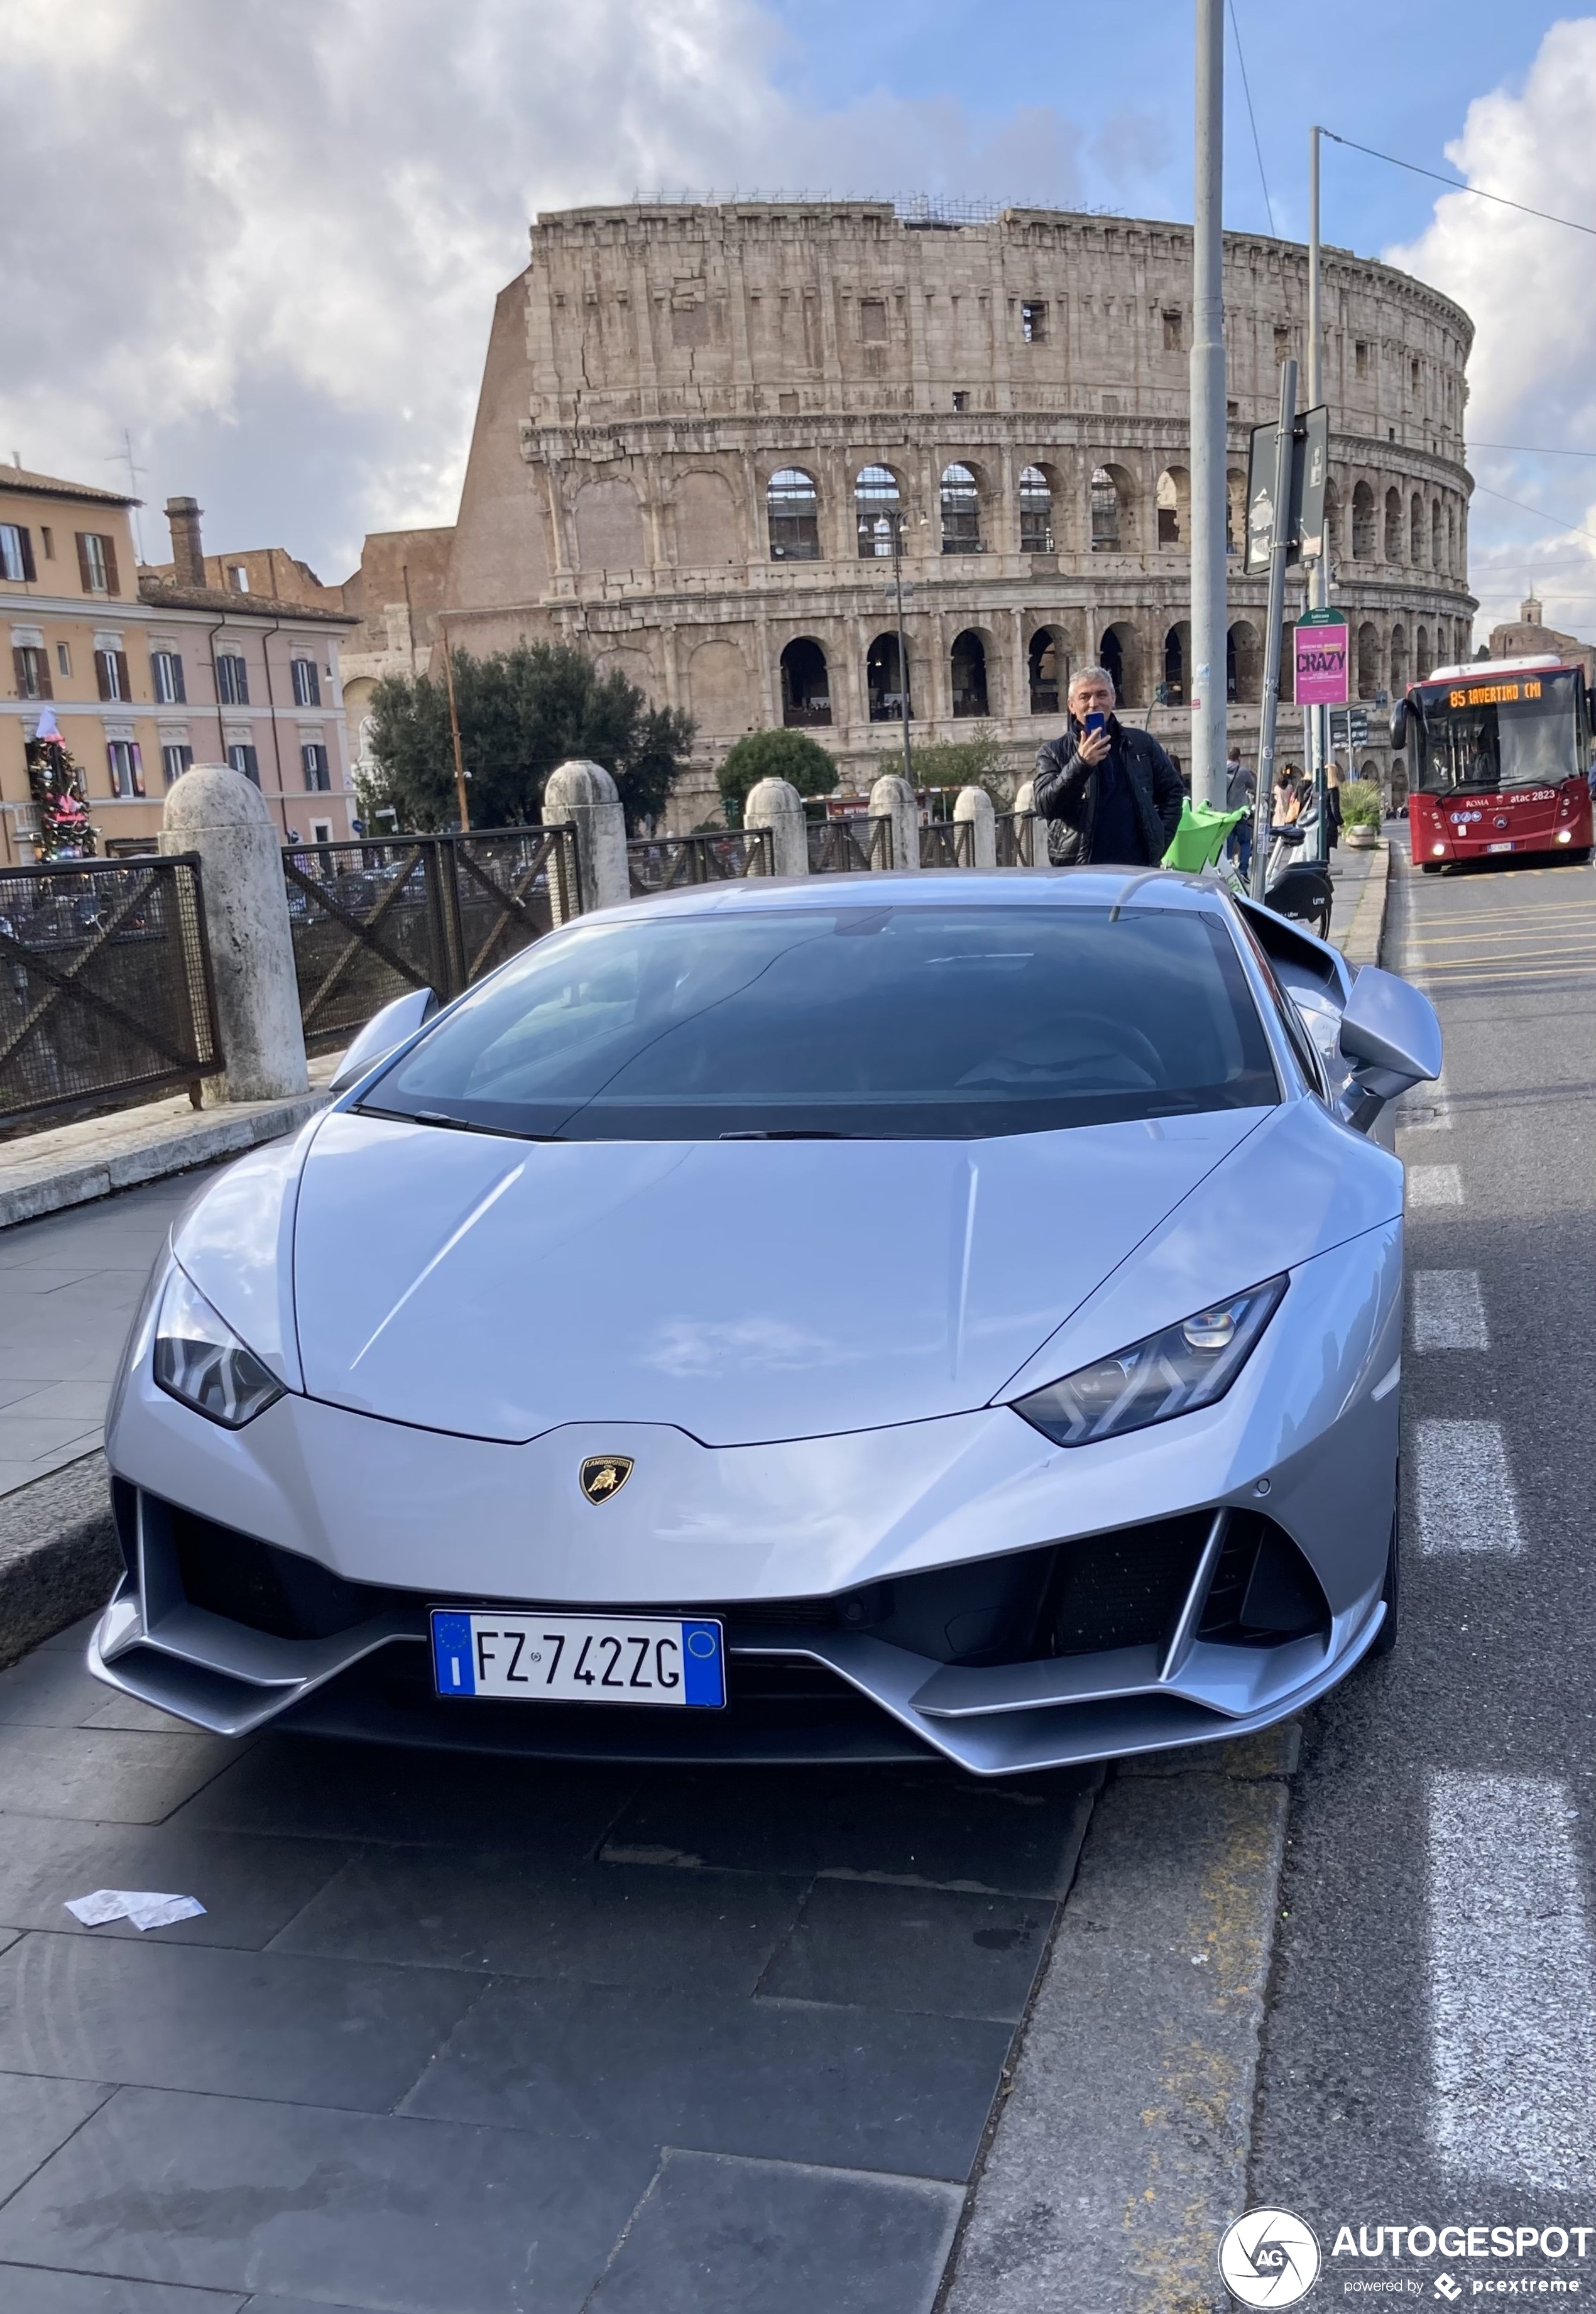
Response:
column 1108, row 795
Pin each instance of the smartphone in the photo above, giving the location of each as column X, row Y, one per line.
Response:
column 1096, row 723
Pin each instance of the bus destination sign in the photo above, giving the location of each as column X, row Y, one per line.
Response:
column 1494, row 694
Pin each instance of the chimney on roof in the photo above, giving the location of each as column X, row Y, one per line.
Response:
column 187, row 555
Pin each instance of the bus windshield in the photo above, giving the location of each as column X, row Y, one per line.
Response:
column 1519, row 731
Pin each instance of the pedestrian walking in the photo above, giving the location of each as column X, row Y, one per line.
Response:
column 1108, row 794
column 1241, row 787
column 1332, row 803
column 1289, row 799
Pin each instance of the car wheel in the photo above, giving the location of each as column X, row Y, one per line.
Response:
column 1391, row 1592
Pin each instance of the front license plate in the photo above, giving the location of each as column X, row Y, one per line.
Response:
column 1498, row 847
column 532, row 1658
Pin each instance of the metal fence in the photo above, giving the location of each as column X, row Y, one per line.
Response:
column 1022, row 840
column 371, row 920
column 948, row 844
column 663, row 863
column 105, row 986
column 849, row 846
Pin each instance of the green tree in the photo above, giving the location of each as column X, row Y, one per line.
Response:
column 790, row 756
column 977, row 762
column 522, row 712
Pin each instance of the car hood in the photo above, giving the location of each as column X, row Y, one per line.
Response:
column 744, row 1291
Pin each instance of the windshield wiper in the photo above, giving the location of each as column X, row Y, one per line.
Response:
column 802, row 1133
column 445, row 1122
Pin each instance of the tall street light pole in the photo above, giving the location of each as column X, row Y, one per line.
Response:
column 894, row 525
column 1318, row 574
column 1208, row 624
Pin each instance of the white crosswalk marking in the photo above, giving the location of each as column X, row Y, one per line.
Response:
column 1512, row 1983
column 1434, row 1185
column 1466, row 1500
column 1448, row 1310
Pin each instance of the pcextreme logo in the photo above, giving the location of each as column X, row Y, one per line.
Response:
column 1269, row 2257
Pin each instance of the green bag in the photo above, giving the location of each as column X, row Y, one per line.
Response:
column 1201, row 836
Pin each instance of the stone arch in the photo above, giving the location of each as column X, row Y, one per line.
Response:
column 792, row 515
column 1174, row 497
column 1047, row 662
column 1175, row 688
column 636, row 665
column 1438, row 560
column 960, row 496
column 806, row 683
column 609, row 527
column 1112, row 511
column 1120, row 652
column 718, row 689
column 1362, row 523
column 1243, row 664
column 1235, row 511
column 1399, row 660
column 1036, row 487
column 709, row 535
column 1368, row 659
column 883, row 682
column 1393, row 538
column 967, row 668
column 877, row 507
column 1416, row 531
column 1451, row 540
column 1422, row 660
column 1332, row 523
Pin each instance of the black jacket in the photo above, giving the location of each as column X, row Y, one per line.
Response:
column 1065, row 794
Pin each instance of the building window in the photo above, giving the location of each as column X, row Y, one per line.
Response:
column 16, row 552
column 96, row 563
column 961, row 401
column 1105, row 512
column 175, row 760
column 307, row 683
column 127, row 768
column 872, row 321
column 242, row 758
column 1033, row 322
column 110, row 673
column 47, row 537
column 961, row 511
column 318, row 778
column 1413, row 375
column 1036, row 512
column 1174, row 332
column 232, row 680
column 166, row 673
column 1283, row 343
column 32, row 669
column 1361, row 358
column 63, row 658
column 877, row 510
column 320, row 831
column 792, row 507
column 238, row 577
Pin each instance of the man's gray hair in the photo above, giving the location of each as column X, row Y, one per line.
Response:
column 1091, row 674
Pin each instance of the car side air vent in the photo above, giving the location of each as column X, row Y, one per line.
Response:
column 1263, row 1591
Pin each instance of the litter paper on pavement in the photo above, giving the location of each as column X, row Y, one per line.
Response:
column 142, row 1906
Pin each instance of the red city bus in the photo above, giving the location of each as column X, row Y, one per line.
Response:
column 1498, row 761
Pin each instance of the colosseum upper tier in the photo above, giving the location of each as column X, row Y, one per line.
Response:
column 703, row 423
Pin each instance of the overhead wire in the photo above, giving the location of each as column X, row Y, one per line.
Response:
column 1252, row 120
column 1453, row 184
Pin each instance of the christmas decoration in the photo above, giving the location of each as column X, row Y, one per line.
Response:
column 56, row 783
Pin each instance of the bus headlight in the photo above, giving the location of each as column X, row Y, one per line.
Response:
column 1438, row 847
column 1564, row 835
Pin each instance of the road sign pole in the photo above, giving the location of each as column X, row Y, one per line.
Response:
column 1319, row 575
column 1279, row 548
column 1208, row 575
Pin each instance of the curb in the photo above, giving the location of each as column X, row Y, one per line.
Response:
column 59, row 1558
column 31, row 1188
column 1122, row 2151
column 1366, row 930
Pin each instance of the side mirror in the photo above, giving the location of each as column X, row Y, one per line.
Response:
column 1391, row 1038
column 1399, row 726
column 384, row 1033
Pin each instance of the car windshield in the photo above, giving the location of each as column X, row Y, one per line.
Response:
column 920, row 1023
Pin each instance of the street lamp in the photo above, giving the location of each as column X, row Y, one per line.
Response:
column 889, row 530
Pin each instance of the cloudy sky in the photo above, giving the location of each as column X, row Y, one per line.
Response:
column 262, row 237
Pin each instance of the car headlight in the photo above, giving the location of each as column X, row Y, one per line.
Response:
column 1188, row 1365
column 201, row 1361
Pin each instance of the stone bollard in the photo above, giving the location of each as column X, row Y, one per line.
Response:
column 892, row 798
column 585, row 795
column 776, row 804
column 974, row 804
column 214, row 811
column 1024, row 807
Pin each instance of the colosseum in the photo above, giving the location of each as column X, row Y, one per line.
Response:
column 701, row 423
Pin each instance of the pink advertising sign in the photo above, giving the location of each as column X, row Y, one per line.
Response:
column 1320, row 653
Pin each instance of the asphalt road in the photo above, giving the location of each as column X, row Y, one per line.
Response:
column 1430, row 2056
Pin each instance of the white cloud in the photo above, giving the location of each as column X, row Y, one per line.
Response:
column 1532, row 374
column 266, row 234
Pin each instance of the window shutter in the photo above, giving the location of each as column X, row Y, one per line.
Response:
column 179, row 696
column 84, row 571
column 123, row 680
column 29, row 570
column 102, row 673
column 41, row 661
column 19, row 670
column 110, row 545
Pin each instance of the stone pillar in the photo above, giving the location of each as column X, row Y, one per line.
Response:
column 585, row 795
column 974, row 804
column 1024, row 807
column 892, row 798
column 214, row 811
column 777, row 804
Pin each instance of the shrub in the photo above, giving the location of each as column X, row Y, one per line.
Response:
column 1359, row 804
column 790, row 756
column 974, row 763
